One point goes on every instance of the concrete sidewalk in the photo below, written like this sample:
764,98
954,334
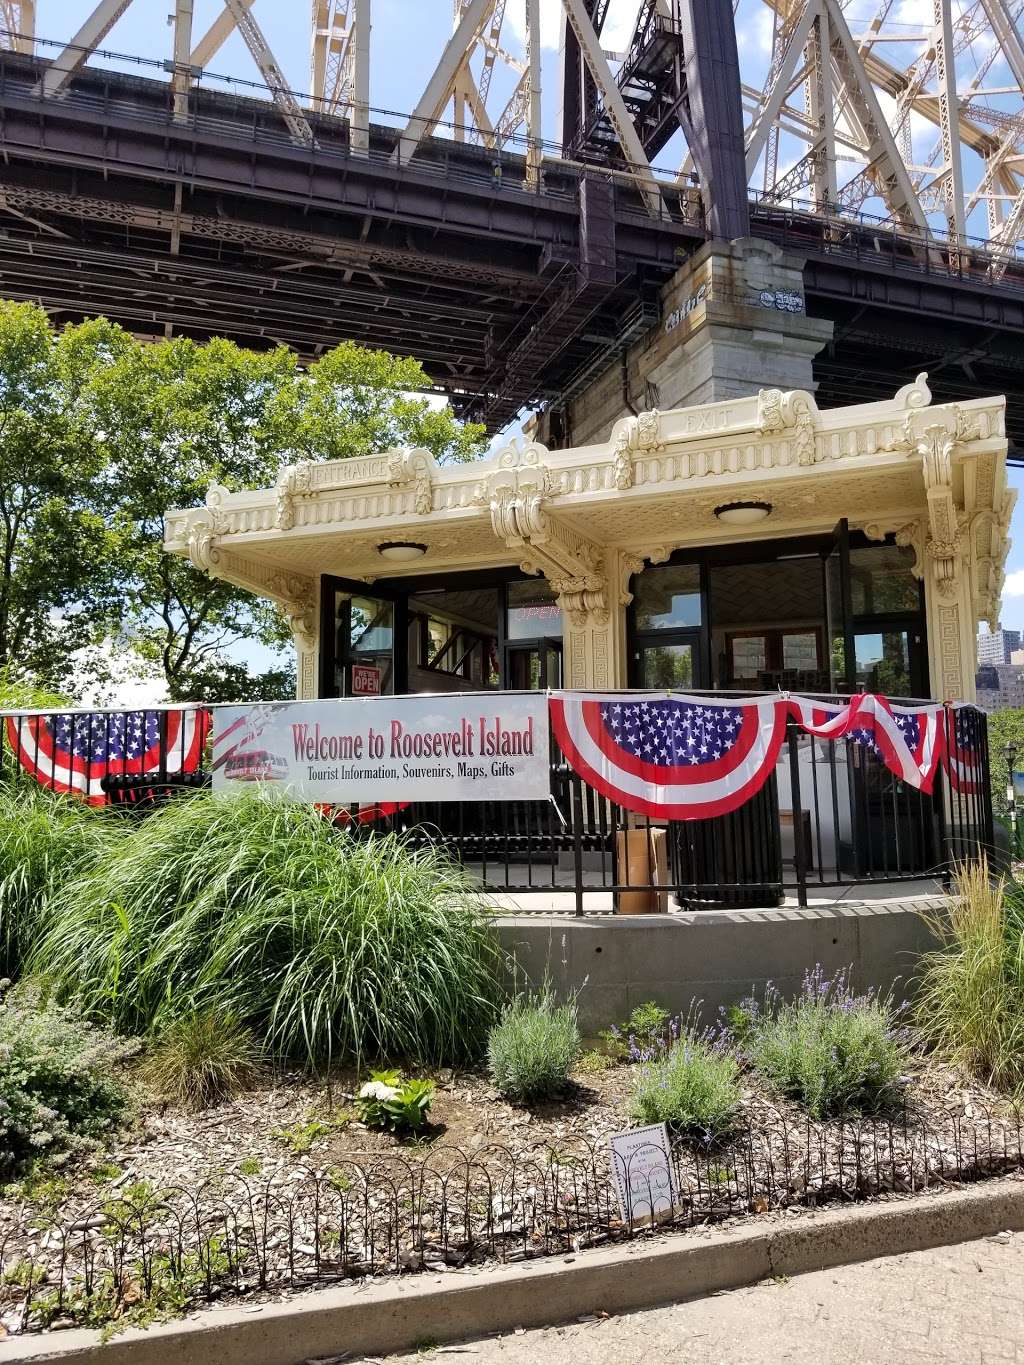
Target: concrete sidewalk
962,1304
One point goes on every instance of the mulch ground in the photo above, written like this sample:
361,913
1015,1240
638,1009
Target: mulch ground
487,1181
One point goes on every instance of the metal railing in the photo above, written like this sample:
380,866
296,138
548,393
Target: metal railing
831,814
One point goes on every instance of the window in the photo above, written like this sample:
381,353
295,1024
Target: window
881,581
749,656
371,624
667,597
800,649
533,610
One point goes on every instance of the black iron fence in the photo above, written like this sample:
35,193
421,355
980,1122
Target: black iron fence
172,1247
831,814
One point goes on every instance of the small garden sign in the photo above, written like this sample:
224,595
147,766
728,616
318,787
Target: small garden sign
642,1169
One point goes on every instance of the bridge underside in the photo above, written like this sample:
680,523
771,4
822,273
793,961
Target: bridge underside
509,297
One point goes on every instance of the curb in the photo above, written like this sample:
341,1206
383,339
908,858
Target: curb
383,1317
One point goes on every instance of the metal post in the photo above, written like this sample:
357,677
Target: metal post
576,806
799,852
1010,753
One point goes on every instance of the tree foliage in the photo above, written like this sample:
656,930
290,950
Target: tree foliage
56,562
101,434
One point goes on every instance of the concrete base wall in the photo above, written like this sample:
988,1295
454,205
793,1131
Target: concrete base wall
716,957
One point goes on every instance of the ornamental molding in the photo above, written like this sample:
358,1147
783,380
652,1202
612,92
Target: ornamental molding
518,495
632,435
413,468
795,411
628,566
914,534
292,482
935,434
296,595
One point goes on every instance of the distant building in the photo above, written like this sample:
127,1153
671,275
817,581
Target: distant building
1000,686
997,646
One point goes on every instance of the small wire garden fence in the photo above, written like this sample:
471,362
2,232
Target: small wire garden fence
172,1248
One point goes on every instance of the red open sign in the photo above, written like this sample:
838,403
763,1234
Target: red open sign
365,680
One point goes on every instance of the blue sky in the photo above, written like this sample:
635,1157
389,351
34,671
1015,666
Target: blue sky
409,35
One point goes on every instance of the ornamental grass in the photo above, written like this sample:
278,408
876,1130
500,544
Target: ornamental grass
330,947
970,1000
45,839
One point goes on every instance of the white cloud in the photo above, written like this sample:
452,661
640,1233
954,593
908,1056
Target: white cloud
1014,585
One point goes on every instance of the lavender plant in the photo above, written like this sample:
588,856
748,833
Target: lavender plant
691,1084
831,1049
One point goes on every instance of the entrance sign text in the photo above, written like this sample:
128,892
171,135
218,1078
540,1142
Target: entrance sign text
470,747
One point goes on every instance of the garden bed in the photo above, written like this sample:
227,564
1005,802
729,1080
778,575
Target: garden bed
282,1189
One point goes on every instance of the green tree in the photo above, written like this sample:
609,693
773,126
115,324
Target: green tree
175,417
100,435
179,416
353,401
1004,727
56,549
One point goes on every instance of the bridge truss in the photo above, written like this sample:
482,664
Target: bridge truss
910,111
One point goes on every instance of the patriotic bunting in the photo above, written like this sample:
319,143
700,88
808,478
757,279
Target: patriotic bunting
676,757
907,739
73,752
964,749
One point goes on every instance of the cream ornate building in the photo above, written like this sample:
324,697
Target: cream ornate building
752,543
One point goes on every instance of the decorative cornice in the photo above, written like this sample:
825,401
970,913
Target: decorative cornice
795,411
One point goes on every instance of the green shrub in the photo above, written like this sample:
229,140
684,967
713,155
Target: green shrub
833,1051
45,839
970,1002
533,1047
59,1085
388,1101
329,946
694,1086
647,1032
202,1059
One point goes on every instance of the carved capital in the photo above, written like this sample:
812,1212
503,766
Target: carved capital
584,600
295,594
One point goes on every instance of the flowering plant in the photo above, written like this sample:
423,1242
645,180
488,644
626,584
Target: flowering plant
387,1101
59,1086
830,1048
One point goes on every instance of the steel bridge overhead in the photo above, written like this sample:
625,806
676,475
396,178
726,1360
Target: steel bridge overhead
891,160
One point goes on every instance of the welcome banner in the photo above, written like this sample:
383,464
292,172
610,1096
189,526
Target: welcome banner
464,747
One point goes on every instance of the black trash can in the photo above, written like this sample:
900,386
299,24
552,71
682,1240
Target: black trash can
733,860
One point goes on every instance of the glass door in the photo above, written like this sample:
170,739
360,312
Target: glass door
889,658
671,662
363,631
839,642
533,666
